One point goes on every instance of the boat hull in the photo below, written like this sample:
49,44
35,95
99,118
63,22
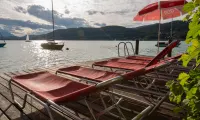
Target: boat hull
165,45
52,46
2,44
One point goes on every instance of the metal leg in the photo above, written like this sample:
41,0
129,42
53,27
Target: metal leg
106,109
144,113
11,92
90,109
117,105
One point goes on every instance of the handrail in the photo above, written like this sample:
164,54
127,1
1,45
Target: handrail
126,50
131,47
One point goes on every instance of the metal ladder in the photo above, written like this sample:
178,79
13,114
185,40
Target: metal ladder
126,50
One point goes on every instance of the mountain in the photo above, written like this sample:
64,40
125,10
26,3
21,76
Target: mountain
149,32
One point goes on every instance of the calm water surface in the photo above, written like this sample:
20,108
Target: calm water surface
18,55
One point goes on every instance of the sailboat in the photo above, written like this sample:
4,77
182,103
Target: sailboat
27,38
2,44
51,44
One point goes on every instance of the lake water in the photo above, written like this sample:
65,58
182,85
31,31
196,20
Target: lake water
18,55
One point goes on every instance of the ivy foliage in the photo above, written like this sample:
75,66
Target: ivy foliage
185,90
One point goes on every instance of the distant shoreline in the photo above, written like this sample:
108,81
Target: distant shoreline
109,33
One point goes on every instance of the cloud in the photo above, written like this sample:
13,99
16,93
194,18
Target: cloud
46,14
20,9
120,12
66,10
32,25
19,27
92,12
100,24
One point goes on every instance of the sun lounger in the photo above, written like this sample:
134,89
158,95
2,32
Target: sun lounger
127,64
52,91
88,73
161,55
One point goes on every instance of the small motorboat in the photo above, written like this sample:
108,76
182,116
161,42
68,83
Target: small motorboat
164,44
51,45
2,44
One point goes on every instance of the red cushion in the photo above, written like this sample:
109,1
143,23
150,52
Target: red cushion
133,61
142,58
120,65
88,73
51,87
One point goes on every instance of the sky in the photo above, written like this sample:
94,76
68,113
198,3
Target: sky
21,17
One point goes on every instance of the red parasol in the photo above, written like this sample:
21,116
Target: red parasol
161,10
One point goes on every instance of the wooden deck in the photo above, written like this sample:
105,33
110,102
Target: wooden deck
35,111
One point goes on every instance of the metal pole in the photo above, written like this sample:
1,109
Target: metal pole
171,34
159,27
52,18
137,46
170,39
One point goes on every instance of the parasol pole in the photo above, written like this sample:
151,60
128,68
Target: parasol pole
171,32
53,19
159,26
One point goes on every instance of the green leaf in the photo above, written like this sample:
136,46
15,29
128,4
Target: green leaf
197,62
174,98
194,73
183,77
192,53
195,42
185,58
187,41
195,21
197,1
193,31
194,90
188,7
187,17
176,89
191,49
191,93
169,83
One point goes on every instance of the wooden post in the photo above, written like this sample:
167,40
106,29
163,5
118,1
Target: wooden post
137,46
169,41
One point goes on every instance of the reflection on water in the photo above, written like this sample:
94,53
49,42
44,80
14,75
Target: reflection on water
18,55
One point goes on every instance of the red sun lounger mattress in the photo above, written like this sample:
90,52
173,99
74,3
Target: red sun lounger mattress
48,86
133,61
119,65
130,66
88,73
140,58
